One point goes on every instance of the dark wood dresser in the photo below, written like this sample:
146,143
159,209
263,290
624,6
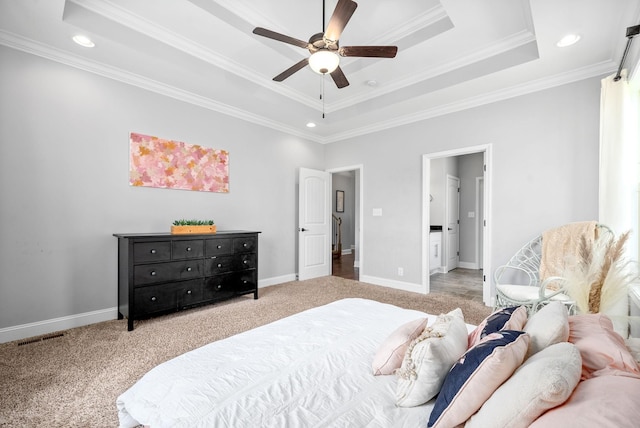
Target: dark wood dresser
160,273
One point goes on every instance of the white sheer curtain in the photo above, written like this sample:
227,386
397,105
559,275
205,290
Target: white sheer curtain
619,159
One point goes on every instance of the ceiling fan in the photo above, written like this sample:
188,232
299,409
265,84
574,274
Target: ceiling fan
325,49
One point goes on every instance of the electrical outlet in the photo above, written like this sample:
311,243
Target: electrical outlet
400,271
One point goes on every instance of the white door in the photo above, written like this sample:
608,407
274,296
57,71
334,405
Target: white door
314,220
453,223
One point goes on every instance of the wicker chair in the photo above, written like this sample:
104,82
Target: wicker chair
518,282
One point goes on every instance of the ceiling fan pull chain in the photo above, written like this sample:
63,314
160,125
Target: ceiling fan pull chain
322,94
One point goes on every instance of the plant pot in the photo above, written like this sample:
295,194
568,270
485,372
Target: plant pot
183,230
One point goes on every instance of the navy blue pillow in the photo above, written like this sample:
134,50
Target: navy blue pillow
497,320
468,364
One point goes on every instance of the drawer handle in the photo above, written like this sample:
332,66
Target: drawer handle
244,245
245,261
219,286
153,251
188,269
153,273
188,248
188,291
219,246
244,282
219,264
153,299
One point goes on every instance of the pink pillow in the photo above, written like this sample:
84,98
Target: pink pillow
604,401
476,376
391,352
603,350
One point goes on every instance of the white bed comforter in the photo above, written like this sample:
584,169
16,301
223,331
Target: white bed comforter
312,369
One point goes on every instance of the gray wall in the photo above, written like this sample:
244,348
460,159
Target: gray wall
545,173
64,147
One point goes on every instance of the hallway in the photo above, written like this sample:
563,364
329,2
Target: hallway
465,283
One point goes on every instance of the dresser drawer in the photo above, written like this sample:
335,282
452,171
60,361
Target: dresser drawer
219,286
244,244
247,281
155,298
216,247
189,293
145,252
247,261
170,271
191,249
220,264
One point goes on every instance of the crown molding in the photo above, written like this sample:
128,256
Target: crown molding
35,48
507,44
595,70
122,16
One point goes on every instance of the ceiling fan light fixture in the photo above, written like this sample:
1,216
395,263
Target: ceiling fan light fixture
324,61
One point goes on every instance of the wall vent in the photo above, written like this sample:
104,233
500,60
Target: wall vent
40,339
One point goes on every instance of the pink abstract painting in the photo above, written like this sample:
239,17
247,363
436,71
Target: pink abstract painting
155,162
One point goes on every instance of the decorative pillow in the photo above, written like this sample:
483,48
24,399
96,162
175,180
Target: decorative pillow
548,326
429,358
503,319
544,381
604,401
391,352
480,371
603,350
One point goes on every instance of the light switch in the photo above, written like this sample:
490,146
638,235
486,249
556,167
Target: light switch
377,212
471,214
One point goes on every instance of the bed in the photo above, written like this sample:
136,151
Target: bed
314,369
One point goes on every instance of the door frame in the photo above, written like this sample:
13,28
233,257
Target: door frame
487,287
445,232
359,209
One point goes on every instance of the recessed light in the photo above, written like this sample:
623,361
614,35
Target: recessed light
83,41
311,125
372,83
568,40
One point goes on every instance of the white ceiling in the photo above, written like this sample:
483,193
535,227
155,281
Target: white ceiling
453,54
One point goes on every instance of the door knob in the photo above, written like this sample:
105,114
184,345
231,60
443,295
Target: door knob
302,229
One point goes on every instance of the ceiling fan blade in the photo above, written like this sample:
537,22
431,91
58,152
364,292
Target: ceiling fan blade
369,51
341,15
289,71
280,37
339,78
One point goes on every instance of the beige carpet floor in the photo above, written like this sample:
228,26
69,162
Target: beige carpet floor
74,380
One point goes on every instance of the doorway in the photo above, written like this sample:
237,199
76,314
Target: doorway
472,226
347,218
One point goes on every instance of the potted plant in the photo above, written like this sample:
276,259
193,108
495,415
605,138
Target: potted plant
193,226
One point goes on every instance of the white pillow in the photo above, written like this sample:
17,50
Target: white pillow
542,382
548,326
391,352
429,358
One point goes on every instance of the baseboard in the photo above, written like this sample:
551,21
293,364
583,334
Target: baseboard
276,280
39,328
468,265
398,285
